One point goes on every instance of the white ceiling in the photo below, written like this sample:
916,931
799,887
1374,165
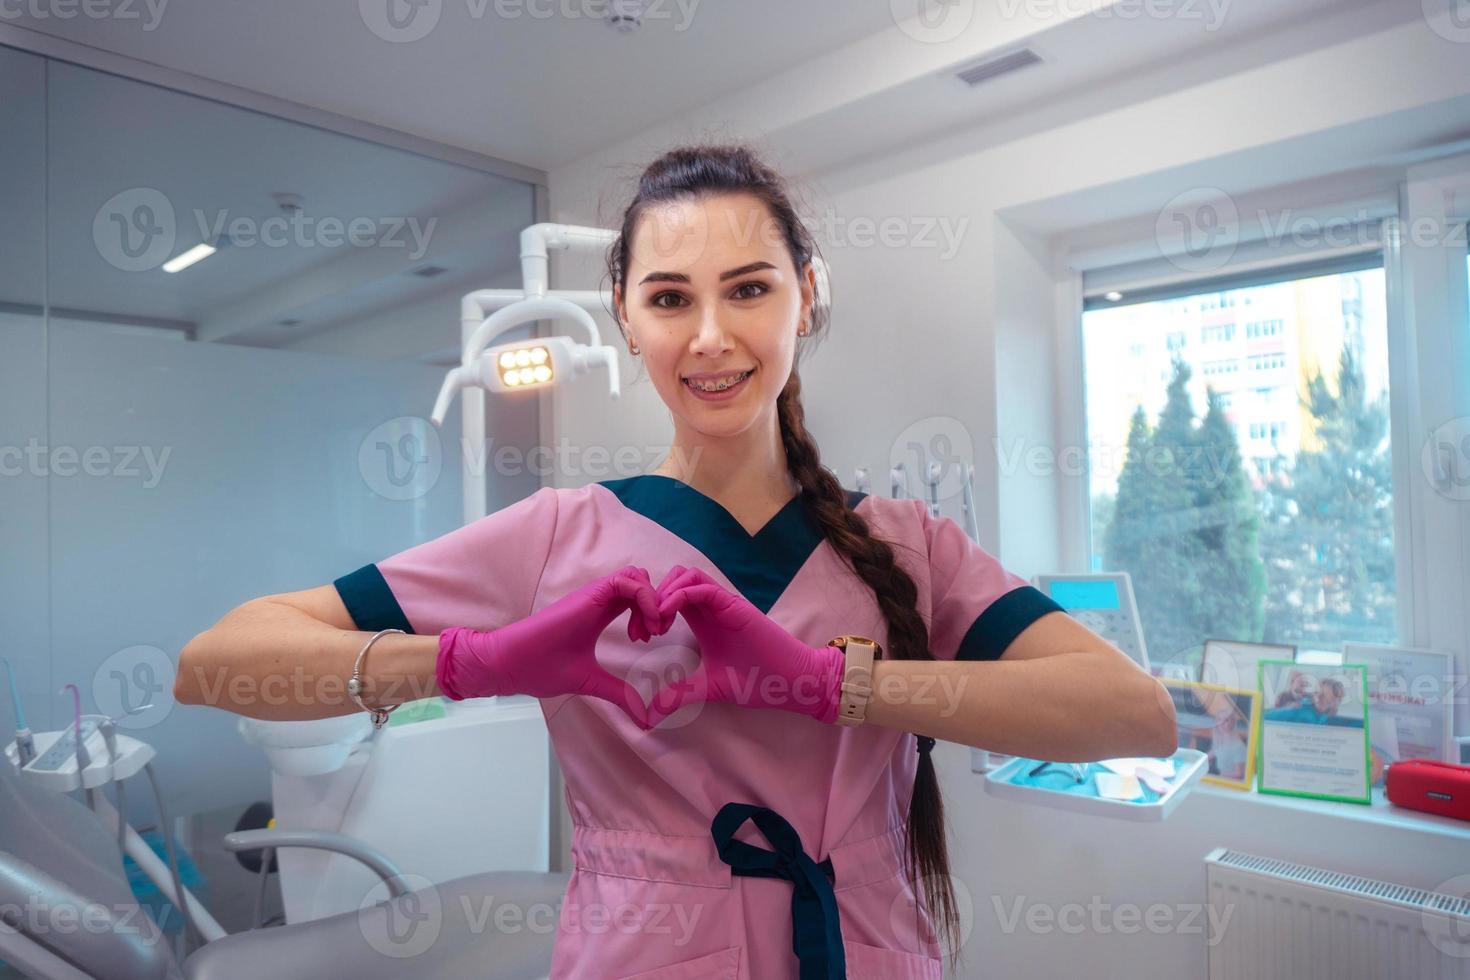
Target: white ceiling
526,87
832,82
843,78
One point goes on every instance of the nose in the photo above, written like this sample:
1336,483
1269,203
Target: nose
711,339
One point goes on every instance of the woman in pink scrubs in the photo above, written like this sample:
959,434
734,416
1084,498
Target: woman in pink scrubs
734,839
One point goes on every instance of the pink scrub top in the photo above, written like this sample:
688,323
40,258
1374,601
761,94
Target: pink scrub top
729,842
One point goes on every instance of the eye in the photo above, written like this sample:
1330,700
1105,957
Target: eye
746,285
655,301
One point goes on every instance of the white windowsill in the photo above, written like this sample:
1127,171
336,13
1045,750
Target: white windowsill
1381,813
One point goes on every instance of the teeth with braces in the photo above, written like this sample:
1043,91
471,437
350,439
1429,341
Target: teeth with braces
720,386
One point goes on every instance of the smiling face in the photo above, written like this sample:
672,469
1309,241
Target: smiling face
1329,696
713,294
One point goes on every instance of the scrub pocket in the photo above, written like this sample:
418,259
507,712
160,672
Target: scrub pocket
866,962
723,965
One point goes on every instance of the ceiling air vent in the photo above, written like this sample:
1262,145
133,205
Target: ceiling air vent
986,70
428,271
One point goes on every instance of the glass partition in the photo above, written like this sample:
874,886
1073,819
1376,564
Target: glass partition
186,428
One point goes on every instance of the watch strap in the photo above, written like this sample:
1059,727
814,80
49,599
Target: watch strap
859,652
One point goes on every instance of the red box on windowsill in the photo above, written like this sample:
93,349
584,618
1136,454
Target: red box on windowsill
1429,785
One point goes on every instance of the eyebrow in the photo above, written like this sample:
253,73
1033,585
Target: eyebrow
680,277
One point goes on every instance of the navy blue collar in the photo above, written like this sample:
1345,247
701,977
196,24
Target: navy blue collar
760,565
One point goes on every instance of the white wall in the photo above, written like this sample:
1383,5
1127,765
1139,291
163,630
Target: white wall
1237,124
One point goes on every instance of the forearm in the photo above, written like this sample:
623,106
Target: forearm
1071,707
269,660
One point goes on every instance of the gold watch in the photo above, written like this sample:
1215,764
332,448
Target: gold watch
858,652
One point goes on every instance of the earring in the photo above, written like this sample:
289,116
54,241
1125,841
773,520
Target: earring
633,351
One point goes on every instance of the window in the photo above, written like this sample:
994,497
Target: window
1214,368
1219,333
1175,340
1277,526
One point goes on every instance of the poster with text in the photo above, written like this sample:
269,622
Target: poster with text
1314,731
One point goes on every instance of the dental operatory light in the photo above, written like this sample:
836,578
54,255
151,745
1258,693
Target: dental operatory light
522,364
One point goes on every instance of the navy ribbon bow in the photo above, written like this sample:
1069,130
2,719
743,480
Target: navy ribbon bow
816,932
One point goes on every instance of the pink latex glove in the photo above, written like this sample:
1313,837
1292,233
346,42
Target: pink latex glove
551,651
746,657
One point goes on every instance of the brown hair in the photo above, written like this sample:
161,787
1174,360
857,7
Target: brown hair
698,171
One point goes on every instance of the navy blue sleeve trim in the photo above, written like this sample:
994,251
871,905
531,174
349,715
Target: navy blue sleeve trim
1004,620
371,603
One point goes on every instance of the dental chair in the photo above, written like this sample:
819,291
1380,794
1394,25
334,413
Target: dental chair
67,912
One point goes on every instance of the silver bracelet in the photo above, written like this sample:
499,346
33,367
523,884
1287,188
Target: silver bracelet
354,683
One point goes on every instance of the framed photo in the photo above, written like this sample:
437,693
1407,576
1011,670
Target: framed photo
1221,722
1232,663
1314,731
1411,698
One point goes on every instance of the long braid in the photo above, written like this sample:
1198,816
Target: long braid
872,559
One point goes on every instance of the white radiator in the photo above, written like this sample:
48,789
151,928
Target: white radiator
1284,921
